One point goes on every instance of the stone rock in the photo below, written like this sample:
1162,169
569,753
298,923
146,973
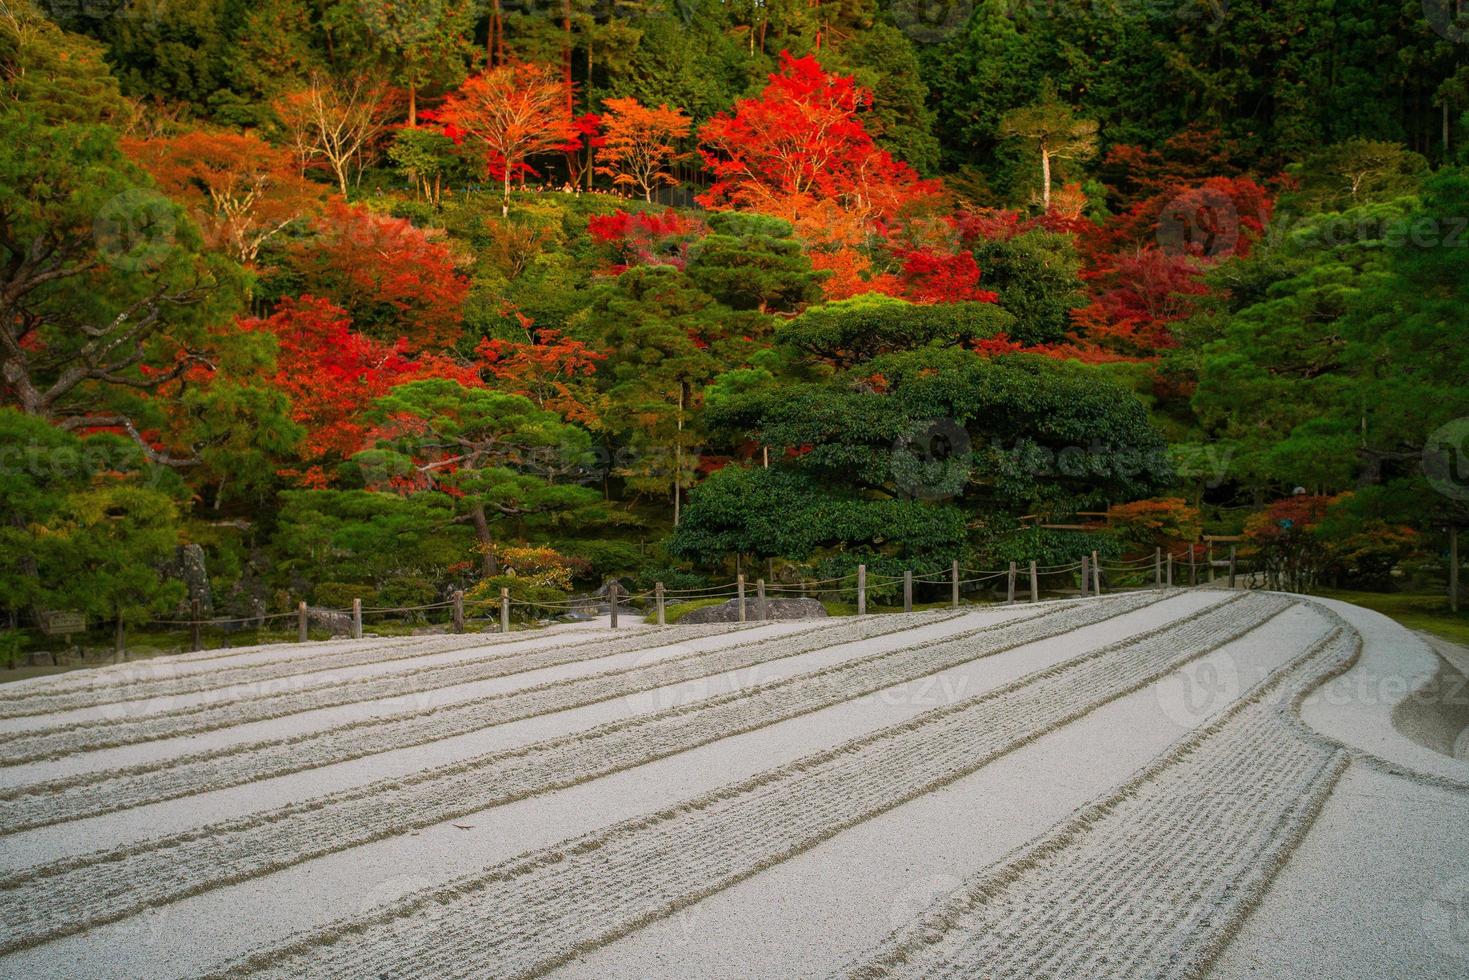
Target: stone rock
334,621
729,612
188,568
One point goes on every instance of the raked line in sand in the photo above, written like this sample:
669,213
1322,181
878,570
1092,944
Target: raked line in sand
167,680
304,693
107,790
1152,880
67,895
526,915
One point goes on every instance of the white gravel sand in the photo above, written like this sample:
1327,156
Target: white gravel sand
1160,784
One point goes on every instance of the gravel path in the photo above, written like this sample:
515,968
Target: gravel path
575,801
1154,879
533,913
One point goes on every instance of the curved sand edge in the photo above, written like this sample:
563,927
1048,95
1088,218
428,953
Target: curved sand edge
1376,707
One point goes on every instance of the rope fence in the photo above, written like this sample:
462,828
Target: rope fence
1090,575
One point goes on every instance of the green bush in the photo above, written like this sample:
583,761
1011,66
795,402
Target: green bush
339,595
407,590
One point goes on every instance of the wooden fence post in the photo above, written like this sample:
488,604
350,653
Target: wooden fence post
908,590
1035,583
861,590
505,611
1232,558
458,610
1158,568
1010,587
1210,555
301,621
658,594
1085,573
356,619
954,582
1096,574
613,590
1193,567
740,594
197,626
761,609
1170,569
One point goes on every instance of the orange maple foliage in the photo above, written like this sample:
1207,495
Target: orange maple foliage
638,143
239,189
515,110
550,370
394,280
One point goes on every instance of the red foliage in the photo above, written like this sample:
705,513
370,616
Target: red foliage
333,373
392,279
1190,156
646,237
989,224
934,277
802,141
550,370
1212,220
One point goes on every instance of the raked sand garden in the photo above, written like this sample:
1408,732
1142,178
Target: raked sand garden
1176,783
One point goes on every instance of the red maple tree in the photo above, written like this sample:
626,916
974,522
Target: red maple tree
515,111
239,189
802,141
394,280
332,373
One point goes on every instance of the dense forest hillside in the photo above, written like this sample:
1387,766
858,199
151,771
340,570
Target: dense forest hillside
386,299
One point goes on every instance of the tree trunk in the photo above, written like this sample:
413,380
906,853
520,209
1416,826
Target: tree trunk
566,53
678,459
489,564
412,104
505,201
1045,179
495,41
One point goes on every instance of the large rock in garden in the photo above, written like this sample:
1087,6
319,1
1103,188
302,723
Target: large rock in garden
188,567
729,612
334,622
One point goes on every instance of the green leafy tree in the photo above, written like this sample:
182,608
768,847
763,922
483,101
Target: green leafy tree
496,454
849,331
1358,171
104,285
424,42
1038,276
751,262
658,331
1053,131
111,543
366,536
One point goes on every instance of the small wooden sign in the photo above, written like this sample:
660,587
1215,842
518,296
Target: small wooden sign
59,622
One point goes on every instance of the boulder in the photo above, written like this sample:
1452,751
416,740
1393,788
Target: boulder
188,567
729,612
333,621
